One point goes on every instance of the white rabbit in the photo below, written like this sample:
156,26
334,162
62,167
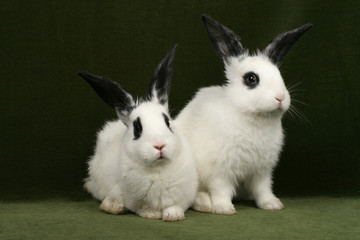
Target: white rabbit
235,130
141,162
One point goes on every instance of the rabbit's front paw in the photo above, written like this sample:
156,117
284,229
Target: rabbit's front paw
202,202
173,213
271,204
149,213
110,205
226,209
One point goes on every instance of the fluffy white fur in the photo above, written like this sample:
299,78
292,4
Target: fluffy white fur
236,135
142,162
128,173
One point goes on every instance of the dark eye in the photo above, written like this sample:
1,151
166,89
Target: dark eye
167,121
137,128
251,79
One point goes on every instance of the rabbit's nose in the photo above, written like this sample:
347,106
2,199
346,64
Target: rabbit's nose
280,98
160,147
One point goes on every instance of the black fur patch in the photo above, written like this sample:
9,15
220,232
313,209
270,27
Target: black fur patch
111,92
225,42
280,45
167,121
137,128
251,80
161,80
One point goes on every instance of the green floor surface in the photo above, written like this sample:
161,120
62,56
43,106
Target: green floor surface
303,218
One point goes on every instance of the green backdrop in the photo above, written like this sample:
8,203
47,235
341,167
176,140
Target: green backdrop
50,116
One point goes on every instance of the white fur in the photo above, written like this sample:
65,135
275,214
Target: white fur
127,173
236,135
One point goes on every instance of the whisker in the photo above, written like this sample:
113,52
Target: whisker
293,86
301,116
294,90
291,113
298,101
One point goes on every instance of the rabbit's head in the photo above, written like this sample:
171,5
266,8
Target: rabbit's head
150,138
254,82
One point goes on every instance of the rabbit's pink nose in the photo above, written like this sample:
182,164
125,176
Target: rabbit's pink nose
279,98
159,147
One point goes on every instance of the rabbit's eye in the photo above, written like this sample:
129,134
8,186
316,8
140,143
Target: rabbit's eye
251,79
137,128
167,121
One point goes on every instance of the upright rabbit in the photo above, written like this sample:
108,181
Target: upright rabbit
235,130
141,161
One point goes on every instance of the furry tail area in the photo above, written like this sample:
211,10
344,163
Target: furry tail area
89,186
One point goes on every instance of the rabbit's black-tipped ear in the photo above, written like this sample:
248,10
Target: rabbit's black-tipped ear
226,43
280,45
161,80
111,92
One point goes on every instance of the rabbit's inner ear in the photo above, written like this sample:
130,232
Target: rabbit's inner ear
223,48
137,128
225,42
124,117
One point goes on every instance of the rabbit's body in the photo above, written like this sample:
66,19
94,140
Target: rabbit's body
113,174
231,150
235,130
142,162
236,144
104,165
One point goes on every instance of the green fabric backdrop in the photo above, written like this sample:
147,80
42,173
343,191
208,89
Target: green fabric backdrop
49,116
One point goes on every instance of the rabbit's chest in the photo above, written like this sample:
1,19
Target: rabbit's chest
252,150
144,188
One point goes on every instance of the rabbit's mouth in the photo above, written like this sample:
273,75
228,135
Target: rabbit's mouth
279,108
160,161
162,157
270,113
155,162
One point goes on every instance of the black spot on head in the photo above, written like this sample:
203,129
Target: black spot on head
251,80
167,121
137,128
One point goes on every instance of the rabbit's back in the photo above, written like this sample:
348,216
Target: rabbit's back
103,165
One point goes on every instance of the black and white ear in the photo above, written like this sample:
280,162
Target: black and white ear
112,93
161,80
225,42
280,45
